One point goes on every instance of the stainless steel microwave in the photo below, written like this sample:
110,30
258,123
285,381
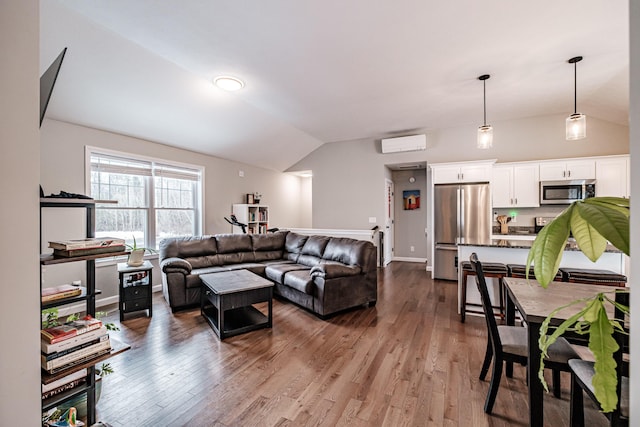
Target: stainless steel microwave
566,192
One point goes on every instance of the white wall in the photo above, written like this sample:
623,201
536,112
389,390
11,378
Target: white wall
19,168
634,119
62,167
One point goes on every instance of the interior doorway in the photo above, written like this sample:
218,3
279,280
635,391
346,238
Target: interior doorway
406,212
388,221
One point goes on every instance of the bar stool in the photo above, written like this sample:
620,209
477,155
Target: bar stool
593,277
519,271
491,269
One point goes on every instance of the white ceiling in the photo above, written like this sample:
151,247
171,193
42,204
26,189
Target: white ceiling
327,71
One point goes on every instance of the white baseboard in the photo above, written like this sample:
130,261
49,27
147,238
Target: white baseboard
408,259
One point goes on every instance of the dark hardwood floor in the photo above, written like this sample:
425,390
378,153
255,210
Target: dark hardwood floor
406,362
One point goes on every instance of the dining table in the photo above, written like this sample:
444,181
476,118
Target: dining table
535,304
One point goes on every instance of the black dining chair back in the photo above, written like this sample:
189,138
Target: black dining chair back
508,344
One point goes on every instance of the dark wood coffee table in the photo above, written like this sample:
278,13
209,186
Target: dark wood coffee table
227,302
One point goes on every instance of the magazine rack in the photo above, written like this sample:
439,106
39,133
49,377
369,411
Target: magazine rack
88,296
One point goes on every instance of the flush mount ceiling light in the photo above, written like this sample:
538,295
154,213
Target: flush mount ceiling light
228,83
576,123
485,132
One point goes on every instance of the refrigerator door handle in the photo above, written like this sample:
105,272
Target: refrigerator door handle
458,190
461,214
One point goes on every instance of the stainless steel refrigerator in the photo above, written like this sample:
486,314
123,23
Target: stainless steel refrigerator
461,213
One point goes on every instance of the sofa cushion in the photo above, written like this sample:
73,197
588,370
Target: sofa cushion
293,244
199,251
269,241
234,248
342,250
312,250
300,280
276,272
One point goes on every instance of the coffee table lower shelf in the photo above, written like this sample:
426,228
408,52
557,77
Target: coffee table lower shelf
236,321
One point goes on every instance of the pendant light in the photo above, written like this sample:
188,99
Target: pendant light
576,123
485,132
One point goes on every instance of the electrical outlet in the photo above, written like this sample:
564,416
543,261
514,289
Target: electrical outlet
514,219
413,249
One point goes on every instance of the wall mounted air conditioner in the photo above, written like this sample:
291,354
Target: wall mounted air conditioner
404,143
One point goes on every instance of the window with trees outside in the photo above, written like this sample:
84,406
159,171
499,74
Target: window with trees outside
156,198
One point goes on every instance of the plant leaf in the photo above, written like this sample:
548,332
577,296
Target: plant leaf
618,203
546,340
590,242
603,345
610,223
546,250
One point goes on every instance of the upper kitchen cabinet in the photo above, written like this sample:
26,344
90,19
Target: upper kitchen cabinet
515,185
612,176
448,173
567,170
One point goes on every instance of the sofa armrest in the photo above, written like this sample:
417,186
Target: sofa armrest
176,265
331,271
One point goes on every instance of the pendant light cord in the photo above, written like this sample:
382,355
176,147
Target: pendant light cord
484,99
575,87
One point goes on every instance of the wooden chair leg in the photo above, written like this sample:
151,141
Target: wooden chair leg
487,360
576,408
463,297
501,296
555,377
495,384
509,369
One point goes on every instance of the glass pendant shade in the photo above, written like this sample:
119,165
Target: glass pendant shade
576,126
485,136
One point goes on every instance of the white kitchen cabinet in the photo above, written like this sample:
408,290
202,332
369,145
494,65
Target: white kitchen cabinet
515,185
565,170
447,173
612,176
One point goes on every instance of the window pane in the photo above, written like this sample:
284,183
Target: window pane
174,193
128,190
172,223
122,223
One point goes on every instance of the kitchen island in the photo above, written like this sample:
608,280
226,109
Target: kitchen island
511,251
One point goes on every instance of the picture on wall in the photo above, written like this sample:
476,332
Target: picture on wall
411,199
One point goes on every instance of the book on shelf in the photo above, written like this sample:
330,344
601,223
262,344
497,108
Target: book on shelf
82,354
76,375
79,361
63,388
88,243
59,354
59,292
70,329
69,253
48,348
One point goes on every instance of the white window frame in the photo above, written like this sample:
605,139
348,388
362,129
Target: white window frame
151,209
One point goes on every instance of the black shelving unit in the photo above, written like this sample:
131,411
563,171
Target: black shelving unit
88,296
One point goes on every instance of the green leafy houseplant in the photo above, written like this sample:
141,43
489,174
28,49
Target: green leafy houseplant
593,222
136,258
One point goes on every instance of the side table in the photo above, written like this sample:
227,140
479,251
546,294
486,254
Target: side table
135,288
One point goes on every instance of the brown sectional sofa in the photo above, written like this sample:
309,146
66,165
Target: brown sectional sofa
322,274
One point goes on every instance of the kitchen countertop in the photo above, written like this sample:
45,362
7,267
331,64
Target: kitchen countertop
524,244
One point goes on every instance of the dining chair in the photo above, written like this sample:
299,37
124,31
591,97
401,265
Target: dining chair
508,344
582,373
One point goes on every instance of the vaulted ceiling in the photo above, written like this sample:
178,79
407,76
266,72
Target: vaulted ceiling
327,71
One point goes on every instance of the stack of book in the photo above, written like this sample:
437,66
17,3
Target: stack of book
73,343
60,292
89,246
